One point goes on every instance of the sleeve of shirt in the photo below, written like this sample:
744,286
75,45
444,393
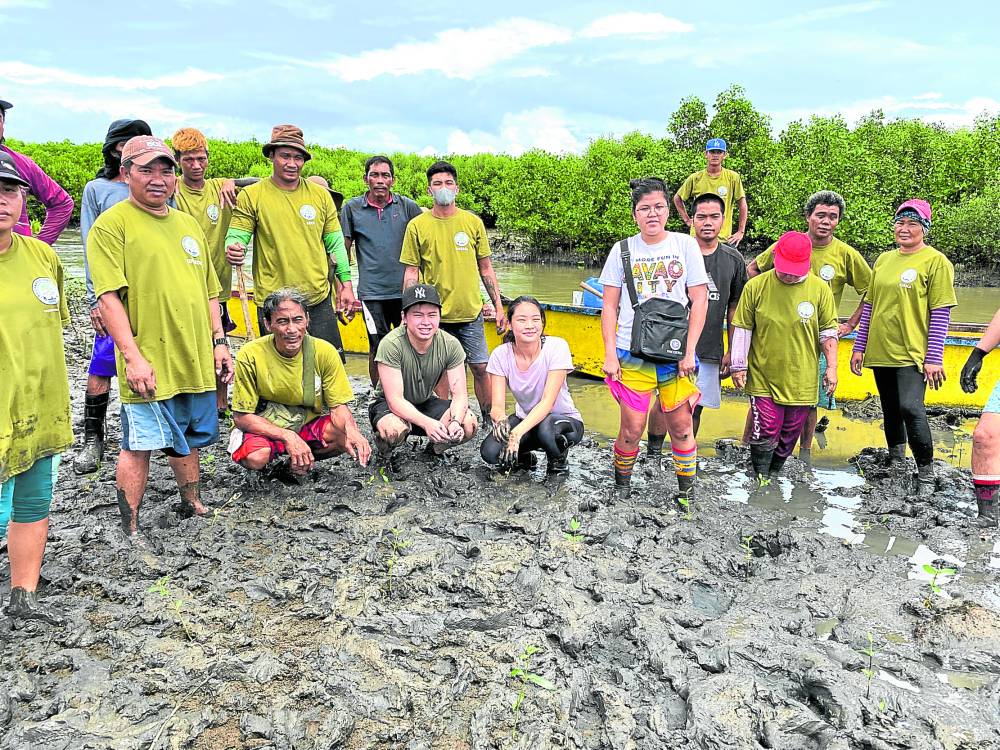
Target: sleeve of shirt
560,357
740,279
498,361
61,282
858,271
245,394
941,284
482,241
390,354
410,254
244,215
613,273
686,191
336,387
738,191
696,275
57,202
88,214
346,222
413,209
745,311
332,221
334,243
456,354
106,253
827,309
765,261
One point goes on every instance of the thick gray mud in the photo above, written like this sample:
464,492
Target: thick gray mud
364,610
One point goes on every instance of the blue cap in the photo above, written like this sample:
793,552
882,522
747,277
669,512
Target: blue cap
716,144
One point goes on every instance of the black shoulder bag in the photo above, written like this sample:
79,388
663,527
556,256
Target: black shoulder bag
660,326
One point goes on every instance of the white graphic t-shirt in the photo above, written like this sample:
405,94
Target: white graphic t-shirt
665,269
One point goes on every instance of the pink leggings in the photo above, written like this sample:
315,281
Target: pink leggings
776,424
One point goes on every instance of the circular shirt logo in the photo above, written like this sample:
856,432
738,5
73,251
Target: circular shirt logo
46,290
675,344
908,276
723,190
191,246
806,310
307,212
827,272
675,269
213,212
461,239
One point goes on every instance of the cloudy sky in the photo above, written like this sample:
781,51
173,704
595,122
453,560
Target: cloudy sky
447,77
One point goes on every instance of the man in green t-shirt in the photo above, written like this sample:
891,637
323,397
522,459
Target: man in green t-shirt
839,265
448,246
291,393
411,360
297,237
158,295
719,181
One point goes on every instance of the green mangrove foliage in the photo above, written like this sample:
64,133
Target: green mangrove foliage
578,204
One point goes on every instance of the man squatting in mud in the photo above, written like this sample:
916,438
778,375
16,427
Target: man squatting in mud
283,383
412,359
158,294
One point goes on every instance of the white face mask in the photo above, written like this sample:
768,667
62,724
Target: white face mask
444,196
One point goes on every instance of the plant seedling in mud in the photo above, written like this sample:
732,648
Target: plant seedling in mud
207,461
572,535
397,543
525,677
162,589
747,549
869,671
685,503
934,573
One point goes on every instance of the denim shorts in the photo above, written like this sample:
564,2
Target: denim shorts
472,337
176,425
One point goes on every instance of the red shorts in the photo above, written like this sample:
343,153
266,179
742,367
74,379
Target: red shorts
311,432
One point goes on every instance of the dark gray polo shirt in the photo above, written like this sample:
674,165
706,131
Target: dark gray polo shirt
377,237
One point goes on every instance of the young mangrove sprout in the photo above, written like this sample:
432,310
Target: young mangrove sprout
572,535
524,677
869,671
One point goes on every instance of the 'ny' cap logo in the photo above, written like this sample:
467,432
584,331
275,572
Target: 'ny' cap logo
420,293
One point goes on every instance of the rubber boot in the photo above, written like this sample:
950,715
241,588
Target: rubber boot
654,451
559,464
989,508
897,457
24,605
88,460
685,491
760,458
526,461
926,482
777,463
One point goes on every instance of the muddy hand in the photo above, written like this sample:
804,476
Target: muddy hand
501,431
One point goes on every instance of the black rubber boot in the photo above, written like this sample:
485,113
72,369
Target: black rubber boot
24,605
897,457
686,492
777,464
760,458
526,461
926,481
654,450
559,464
989,508
88,460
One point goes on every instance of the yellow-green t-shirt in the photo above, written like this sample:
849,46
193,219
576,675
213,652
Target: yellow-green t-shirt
838,264
904,290
263,374
160,267
288,227
34,387
447,251
786,320
727,185
207,209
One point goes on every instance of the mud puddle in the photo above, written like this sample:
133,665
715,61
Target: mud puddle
441,606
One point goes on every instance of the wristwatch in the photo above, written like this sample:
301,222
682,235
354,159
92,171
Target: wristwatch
220,342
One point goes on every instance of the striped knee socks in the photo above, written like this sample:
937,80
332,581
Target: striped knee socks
685,462
624,463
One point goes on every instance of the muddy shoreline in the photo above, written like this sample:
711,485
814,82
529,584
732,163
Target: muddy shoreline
371,611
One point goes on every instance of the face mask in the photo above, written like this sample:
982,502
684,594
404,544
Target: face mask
444,196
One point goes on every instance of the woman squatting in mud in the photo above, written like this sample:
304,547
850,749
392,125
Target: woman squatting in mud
784,318
534,366
668,266
34,392
902,333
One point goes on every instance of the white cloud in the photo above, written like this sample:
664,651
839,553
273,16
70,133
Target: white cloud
546,128
34,75
457,53
635,24
830,13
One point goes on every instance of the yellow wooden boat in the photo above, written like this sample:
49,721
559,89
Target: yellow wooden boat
581,327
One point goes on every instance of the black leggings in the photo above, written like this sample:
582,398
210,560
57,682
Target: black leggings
901,390
540,437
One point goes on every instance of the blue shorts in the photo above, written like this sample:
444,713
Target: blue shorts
823,399
993,402
27,496
102,361
472,337
175,426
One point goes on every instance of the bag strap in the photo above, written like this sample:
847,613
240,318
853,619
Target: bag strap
627,268
308,373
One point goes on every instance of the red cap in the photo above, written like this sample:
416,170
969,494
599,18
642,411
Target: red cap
923,208
142,149
792,254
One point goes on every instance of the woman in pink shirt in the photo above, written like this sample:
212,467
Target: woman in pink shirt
534,367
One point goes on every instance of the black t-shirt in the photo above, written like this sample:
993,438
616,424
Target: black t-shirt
727,275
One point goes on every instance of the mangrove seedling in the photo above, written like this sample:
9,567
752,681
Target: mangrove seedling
685,503
207,461
163,590
934,573
525,677
747,549
397,543
869,671
572,535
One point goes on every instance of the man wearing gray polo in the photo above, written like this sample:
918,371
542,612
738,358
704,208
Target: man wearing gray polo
374,225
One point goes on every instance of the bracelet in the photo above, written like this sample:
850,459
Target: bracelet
220,342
